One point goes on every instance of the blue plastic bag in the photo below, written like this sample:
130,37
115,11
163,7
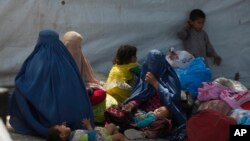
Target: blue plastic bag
191,78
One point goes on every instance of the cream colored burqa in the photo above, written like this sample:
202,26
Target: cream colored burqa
73,40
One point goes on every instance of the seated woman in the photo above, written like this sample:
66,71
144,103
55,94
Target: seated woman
98,98
72,41
48,89
157,86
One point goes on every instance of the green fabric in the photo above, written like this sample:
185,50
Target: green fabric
99,109
103,132
83,137
136,70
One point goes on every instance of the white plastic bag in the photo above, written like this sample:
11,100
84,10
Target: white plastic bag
179,59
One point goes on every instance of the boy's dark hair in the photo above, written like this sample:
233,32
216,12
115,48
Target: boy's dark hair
196,14
53,135
124,54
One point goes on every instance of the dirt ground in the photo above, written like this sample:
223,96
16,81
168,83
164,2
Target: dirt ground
19,137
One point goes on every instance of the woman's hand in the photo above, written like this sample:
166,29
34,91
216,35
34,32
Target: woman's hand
150,78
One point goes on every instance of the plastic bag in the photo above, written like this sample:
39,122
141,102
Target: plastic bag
179,59
232,84
191,78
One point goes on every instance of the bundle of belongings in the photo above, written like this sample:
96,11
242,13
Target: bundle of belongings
190,70
218,104
223,102
232,92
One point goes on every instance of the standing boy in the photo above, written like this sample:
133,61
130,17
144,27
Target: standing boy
195,39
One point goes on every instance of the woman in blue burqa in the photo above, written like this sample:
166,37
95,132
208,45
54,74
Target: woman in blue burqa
157,86
48,89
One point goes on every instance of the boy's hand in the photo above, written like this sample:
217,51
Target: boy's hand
217,60
86,123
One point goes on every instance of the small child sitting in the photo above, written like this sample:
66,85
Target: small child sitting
64,133
122,76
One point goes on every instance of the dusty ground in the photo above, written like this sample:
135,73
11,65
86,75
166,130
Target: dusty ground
19,137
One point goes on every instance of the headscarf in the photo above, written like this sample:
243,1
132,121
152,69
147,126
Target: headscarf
168,88
49,89
73,40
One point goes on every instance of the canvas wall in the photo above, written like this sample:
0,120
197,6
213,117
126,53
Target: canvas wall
107,24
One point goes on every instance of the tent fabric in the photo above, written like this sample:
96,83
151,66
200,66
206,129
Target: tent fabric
49,89
106,24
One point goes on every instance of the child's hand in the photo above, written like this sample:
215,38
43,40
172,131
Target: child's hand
138,114
86,123
217,60
132,124
64,123
128,107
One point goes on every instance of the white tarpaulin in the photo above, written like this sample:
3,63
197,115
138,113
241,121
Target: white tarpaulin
106,24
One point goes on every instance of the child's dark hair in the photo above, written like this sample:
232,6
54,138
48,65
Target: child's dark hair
196,14
124,54
53,135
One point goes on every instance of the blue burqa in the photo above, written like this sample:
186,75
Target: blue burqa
168,88
49,90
